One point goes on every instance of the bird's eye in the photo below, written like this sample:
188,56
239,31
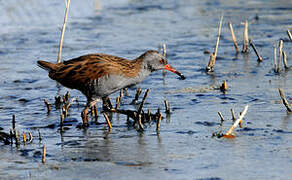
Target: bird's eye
163,61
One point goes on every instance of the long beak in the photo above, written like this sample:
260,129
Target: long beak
171,69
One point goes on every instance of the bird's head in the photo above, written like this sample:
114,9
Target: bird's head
154,61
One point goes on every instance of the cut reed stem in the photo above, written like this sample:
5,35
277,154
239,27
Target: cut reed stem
167,106
108,121
284,100
260,59
158,122
245,38
233,115
224,87
63,31
289,34
44,154
117,102
13,121
141,127
280,56
30,137
221,117
24,137
143,101
48,105
233,37
213,56
285,60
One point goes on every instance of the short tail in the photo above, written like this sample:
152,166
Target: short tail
47,65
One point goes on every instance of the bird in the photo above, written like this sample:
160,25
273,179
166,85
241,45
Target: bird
99,75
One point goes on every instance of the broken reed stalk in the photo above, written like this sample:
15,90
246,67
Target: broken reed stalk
233,115
158,122
233,37
30,137
63,31
275,58
126,91
13,121
121,93
285,60
138,92
221,117
16,136
149,115
48,106
284,100
235,124
260,59
289,34
108,121
24,137
224,87
141,127
280,55
213,56
44,154
245,38
40,136
143,101
117,102
167,106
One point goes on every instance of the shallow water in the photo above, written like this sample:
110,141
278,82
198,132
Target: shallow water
184,149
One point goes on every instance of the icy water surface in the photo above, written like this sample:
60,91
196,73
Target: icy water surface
184,148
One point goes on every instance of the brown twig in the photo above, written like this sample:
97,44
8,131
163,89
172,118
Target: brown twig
224,87
108,121
213,56
275,58
143,101
44,154
48,106
233,115
280,55
221,117
289,34
149,115
16,136
117,102
233,37
284,100
30,137
167,106
245,38
138,92
141,127
13,121
40,136
63,31
121,93
260,59
24,137
158,122
285,60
